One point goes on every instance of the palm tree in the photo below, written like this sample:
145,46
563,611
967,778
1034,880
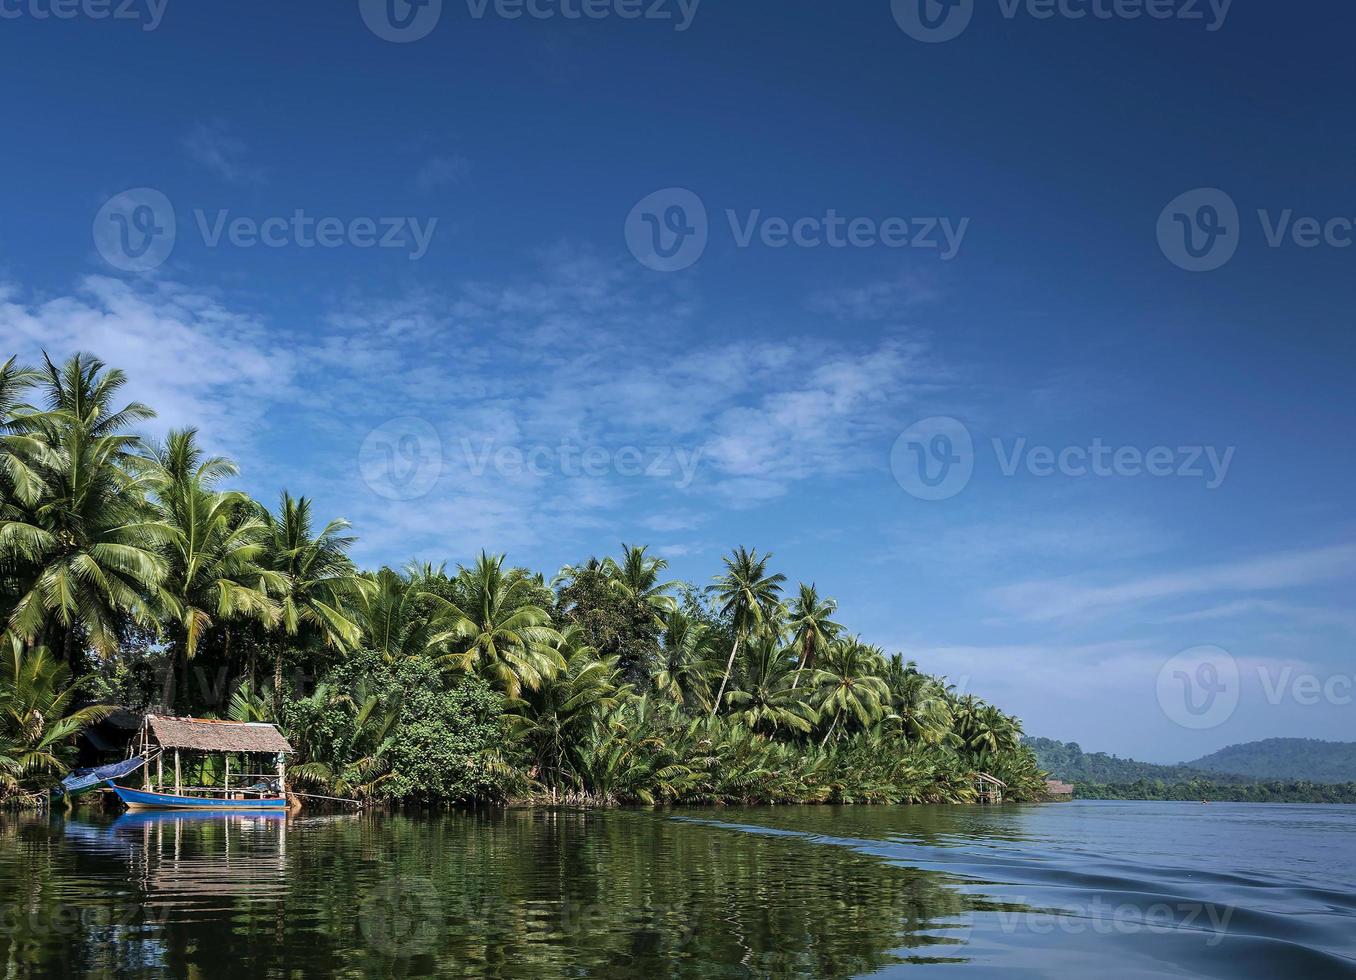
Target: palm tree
685,653
76,531
812,627
213,556
850,685
498,627
396,616
749,598
38,721
982,728
555,720
766,700
637,575
919,702
320,586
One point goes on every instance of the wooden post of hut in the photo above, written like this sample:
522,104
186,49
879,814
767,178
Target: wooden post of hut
989,789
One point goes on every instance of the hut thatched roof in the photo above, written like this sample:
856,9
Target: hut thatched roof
200,735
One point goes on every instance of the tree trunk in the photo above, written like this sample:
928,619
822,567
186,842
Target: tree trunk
277,682
726,679
831,728
805,654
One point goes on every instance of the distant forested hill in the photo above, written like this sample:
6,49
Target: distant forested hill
1068,761
1282,758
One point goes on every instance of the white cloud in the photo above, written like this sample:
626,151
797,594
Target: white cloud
217,148
441,171
1065,598
187,355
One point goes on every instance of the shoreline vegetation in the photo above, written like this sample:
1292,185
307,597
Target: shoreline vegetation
1277,791
132,576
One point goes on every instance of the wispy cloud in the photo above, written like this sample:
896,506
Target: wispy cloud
186,353
1057,599
216,147
441,171
879,299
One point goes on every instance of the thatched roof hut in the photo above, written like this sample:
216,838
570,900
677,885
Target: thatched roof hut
202,735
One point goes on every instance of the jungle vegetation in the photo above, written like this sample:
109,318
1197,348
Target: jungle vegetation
132,573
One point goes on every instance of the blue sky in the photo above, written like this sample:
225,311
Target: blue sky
511,374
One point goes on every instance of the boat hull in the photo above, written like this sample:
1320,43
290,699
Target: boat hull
137,799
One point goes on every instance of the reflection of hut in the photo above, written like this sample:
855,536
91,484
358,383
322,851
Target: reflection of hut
989,789
1055,789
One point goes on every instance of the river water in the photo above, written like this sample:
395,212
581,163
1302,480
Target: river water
1066,890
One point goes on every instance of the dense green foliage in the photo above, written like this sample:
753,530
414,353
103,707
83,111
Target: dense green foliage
130,566
1292,791
1309,759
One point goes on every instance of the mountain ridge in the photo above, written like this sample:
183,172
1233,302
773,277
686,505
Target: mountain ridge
1312,760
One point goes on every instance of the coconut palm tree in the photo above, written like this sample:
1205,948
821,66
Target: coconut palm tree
496,627
395,615
766,700
555,720
76,532
637,575
686,648
811,626
321,589
749,598
850,686
919,702
213,556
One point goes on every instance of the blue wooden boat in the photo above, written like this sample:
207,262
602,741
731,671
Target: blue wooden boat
138,799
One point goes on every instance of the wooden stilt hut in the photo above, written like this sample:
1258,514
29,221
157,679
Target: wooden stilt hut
201,752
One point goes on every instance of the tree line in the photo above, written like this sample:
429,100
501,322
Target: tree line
132,574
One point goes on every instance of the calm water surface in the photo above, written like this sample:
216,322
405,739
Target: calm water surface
1080,889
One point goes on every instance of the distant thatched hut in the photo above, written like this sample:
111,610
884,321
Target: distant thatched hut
1057,790
989,789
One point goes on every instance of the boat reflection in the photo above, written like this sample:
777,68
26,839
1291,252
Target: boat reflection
205,859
